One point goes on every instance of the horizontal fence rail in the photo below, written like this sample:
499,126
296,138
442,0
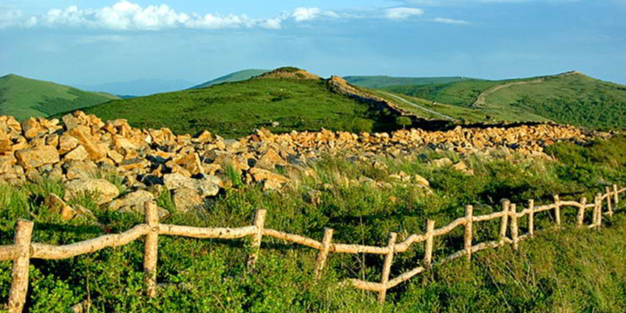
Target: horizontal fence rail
23,250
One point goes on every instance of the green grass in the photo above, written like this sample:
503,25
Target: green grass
232,77
236,109
568,271
23,98
388,81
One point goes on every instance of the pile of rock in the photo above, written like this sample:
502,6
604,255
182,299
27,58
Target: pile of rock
78,149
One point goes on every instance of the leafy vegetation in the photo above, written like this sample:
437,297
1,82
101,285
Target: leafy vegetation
570,271
236,109
23,98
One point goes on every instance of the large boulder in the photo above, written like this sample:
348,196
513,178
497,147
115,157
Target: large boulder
104,190
36,157
206,187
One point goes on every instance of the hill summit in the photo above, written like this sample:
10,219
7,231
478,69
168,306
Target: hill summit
290,73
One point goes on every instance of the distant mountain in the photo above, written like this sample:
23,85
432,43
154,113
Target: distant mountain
24,97
232,77
139,87
387,81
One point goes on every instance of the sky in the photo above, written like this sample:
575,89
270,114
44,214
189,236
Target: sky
93,42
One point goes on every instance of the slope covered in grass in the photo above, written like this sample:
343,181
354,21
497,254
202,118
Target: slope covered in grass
23,97
571,98
236,109
388,81
232,77
568,271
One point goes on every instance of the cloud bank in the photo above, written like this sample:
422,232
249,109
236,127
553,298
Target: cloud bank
125,15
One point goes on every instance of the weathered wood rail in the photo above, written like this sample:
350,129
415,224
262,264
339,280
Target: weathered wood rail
23,250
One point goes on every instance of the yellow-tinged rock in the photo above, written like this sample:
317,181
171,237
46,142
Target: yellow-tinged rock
36,157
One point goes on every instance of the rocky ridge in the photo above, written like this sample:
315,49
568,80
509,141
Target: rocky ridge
79,148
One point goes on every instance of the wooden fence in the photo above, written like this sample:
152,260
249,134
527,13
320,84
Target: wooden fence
23,250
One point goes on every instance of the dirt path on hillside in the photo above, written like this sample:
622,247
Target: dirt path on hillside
482,98
420,107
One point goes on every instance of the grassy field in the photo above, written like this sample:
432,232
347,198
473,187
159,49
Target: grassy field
23,97
573,99
232,78
568,271
236,109
379,82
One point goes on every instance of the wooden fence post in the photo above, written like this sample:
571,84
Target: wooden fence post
323,254
19,277
557,211
531,217
597,211
505,219
387,267
609,206
514,229
151,249
428,248
580,219
616,194
259,223
467,237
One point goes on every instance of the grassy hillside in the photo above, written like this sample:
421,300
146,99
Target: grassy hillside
232,77
571,98
236,109
574,270
388,81
23,97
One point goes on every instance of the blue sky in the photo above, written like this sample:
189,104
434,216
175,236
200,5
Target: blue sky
81,42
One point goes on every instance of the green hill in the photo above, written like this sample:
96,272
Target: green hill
23,97
571,98
281,100
232,77
388,81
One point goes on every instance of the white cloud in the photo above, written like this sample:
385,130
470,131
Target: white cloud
450,21
273,23
125,15
402,13
305,14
